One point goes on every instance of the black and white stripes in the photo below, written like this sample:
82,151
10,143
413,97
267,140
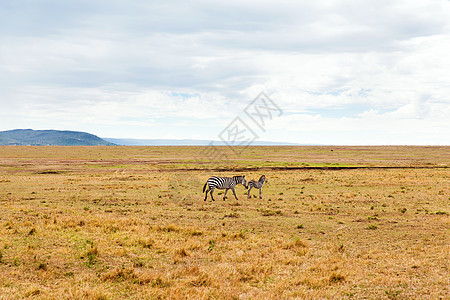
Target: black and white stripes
256,184
223,183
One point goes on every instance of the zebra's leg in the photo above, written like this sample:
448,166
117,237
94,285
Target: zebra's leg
226,190
249,189
234,193
260,193
206,194
212,190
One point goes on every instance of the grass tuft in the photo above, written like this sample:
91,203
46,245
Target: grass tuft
119,274
336,278
194,232
42,266
146,243
181,252
268,212
201,280
232,215
371,227
298,243
169,228
91,256
33,292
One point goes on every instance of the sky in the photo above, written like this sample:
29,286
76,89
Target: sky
373,72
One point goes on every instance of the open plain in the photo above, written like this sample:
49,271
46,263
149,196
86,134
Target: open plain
333,222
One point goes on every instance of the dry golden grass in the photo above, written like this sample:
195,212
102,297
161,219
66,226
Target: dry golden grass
116,222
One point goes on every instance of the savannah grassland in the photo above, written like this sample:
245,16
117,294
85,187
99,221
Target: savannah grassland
116,222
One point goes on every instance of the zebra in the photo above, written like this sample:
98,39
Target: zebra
223,183
256,184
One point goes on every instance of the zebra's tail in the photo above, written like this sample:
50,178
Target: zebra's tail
204,187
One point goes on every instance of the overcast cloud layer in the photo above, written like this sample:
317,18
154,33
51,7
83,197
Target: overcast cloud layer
343,72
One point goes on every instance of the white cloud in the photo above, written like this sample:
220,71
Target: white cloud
188,69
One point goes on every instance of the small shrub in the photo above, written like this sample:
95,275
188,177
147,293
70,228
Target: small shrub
371,227
268,212
159,282
336,278
212,244
42,266
111,228
145,243
232,215
201,280
298,243
240,235
181,252
194,232
33,292
119,274
392,294
169,228
138,263
91,255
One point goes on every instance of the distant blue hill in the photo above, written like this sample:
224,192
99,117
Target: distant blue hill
183,142
29,137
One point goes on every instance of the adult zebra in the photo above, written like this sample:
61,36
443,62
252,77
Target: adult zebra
223,183
256,184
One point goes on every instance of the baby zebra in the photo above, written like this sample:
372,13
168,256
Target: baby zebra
256,184
223,183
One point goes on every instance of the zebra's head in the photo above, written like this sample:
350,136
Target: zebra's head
241,180
263,178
